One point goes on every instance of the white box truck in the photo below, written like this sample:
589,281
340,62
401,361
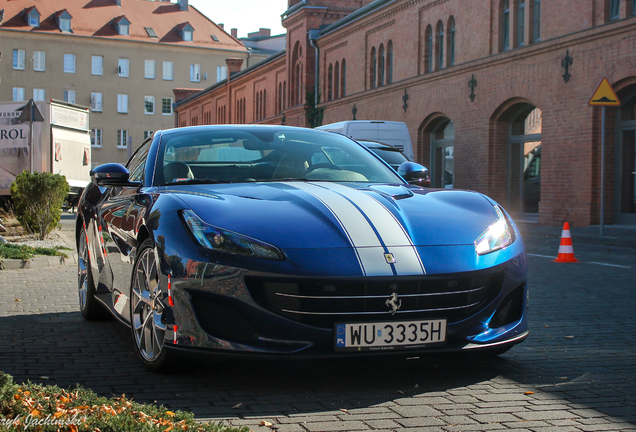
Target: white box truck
60,143
388,132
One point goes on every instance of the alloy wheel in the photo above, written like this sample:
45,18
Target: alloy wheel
147,309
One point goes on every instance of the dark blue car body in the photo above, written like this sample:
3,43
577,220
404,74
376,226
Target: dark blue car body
228,257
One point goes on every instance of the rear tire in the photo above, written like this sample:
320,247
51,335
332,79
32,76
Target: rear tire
147,322
90,307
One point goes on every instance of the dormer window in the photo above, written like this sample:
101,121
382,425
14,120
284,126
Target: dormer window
186,31
122,25
32,17
64,21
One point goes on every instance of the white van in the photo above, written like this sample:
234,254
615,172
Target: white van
388,132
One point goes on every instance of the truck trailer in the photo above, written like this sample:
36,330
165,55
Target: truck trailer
53,137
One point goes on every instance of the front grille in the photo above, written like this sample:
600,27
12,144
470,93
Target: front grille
324,302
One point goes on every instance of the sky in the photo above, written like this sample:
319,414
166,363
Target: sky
245,15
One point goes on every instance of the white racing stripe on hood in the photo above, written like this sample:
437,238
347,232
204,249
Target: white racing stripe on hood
350,207
392,233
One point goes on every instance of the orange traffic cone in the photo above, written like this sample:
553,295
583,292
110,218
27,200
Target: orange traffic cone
566,251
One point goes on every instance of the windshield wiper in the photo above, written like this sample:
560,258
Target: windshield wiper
196,181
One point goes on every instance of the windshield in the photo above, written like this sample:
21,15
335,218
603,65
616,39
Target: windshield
221,154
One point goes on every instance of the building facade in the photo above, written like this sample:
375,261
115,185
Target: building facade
495,93
121,58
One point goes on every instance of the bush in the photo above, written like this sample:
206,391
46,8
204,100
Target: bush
50,408
38,199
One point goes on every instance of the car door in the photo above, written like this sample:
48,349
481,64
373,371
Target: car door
118,219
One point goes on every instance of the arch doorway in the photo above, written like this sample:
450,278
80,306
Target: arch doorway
524,161
625,162
442,154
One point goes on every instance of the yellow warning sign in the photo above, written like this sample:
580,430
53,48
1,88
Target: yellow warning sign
604,95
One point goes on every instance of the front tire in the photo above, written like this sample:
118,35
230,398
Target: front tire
90,307
146,312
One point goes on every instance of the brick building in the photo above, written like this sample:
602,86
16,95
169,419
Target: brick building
495,94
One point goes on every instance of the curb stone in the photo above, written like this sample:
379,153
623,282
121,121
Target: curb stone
42,261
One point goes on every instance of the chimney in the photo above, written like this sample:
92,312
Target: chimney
264,32
222,26
233,65
234,33
183,5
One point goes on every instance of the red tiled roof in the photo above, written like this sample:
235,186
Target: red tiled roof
94,18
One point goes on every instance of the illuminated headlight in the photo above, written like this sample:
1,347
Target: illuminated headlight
222,240
498,235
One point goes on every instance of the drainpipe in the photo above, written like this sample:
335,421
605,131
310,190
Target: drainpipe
249,54
313,35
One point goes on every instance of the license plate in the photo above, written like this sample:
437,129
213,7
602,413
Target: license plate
389,335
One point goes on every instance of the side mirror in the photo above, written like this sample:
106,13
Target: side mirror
112,174
415,173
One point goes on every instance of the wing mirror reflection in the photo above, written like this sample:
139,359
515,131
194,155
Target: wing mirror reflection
415,173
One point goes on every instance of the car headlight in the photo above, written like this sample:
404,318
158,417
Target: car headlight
498,235
230,242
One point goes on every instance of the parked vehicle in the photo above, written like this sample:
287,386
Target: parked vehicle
57,140
389,132
394,157
269,241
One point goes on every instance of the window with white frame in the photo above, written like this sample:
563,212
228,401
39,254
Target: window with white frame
122,138
166,106
18,94
123,69
39,61
221,73
96,101
65,25
97,65
19,57
187,35
96,137
39,94
122,103
195,73
168,71
34,20
149,104
149,69
69,96
122,29
69,63
147,134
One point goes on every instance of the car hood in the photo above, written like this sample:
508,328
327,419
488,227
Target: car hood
302,215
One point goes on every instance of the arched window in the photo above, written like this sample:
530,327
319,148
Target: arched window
258,105
373,73
389,62
429,49
264,99
330,83
298,88
451,41
280,97
505,25
440,45
381,65
521,23
336,81
536,21
614,9
343,78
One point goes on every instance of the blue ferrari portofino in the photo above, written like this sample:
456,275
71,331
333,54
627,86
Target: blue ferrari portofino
268,241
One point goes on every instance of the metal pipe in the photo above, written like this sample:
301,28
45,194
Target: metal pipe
313,44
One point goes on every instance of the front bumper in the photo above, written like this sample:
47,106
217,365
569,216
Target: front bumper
230,311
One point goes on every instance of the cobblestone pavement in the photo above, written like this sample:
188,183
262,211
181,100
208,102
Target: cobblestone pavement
576,372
